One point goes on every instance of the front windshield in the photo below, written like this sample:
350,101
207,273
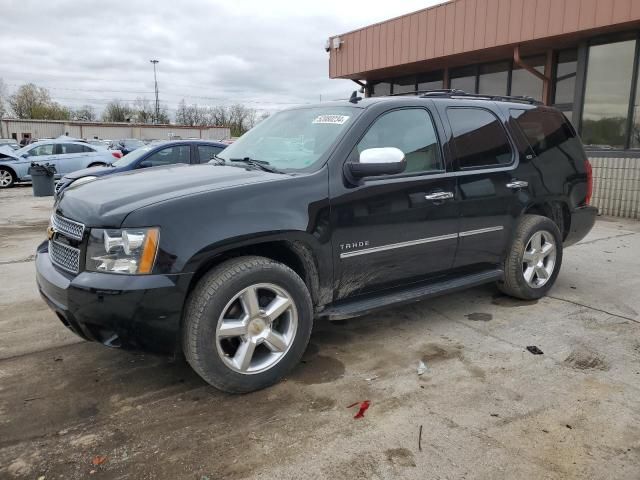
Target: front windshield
293,139
131,157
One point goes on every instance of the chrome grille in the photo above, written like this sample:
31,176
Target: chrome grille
58,186
67,227
64,256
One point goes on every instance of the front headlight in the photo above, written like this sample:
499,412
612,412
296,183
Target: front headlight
130,251
81,180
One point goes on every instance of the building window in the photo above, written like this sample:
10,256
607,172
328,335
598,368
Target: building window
404,85
524,83
479,140
607,94
635,126
464,79
381,89
565,81
494,78
430,81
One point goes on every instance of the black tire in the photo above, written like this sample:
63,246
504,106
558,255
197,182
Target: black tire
205,306
7,173
514,283
97,164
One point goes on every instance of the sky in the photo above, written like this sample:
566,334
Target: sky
265,54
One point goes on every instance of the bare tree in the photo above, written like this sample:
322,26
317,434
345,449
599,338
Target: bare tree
3,98
86,113
191,115
116,111
144,110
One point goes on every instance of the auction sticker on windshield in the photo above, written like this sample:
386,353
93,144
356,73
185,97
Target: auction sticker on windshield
334,119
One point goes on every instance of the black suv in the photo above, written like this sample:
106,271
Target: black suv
332,210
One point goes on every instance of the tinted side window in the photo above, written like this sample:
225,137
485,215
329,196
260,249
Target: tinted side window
169,155
41,150
71,148
207,152
479,140
87,148
544,130
410,130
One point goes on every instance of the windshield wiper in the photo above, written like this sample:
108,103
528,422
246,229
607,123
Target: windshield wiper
261,164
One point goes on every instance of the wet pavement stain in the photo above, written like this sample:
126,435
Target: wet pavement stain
479,317
402,457
583,358
318,369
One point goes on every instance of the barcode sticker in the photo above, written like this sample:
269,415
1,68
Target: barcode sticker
334,119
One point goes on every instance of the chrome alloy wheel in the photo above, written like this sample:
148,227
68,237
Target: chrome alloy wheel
256,328
539,259
5,178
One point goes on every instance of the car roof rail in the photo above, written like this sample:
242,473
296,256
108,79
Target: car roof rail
452,92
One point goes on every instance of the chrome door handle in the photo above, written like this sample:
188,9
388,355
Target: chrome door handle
515,184
439,196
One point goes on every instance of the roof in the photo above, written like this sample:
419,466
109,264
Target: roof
471,31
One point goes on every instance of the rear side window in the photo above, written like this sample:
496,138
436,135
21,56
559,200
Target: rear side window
87,148
545,130
479,140
207,152
71,148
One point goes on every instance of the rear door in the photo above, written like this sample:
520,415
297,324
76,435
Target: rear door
71,157
484,158
395,230
206,152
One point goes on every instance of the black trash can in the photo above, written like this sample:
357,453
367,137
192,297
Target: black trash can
42,177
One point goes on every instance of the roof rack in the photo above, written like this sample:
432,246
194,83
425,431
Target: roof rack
453,92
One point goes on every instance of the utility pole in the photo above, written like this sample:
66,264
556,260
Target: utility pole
155,80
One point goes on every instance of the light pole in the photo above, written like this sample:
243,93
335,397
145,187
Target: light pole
155,81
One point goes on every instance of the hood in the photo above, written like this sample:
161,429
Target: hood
86,172
106,201
7,151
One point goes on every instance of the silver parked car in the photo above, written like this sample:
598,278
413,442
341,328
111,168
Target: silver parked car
65,155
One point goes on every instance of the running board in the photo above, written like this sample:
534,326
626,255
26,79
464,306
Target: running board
414,293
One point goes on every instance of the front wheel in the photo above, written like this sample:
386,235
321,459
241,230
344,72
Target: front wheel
7,179
97,164
533,261
247,324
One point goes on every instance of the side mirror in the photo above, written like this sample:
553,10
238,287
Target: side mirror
145,164
378,161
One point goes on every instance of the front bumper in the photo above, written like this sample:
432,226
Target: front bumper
140,312
581,223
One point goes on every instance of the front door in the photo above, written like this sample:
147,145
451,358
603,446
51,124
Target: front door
395,230
41,153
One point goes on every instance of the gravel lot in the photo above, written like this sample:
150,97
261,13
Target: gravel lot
486,407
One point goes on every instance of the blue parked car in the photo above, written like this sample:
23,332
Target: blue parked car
66,155
157,154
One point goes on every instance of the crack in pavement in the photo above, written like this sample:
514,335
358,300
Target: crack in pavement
606,238
30,258
594,309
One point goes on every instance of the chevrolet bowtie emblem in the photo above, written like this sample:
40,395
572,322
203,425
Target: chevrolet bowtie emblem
50,232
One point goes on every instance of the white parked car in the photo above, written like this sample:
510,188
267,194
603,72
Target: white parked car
65,155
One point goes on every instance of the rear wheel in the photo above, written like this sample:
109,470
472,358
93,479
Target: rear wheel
98,164
533,262
7,178
247,324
